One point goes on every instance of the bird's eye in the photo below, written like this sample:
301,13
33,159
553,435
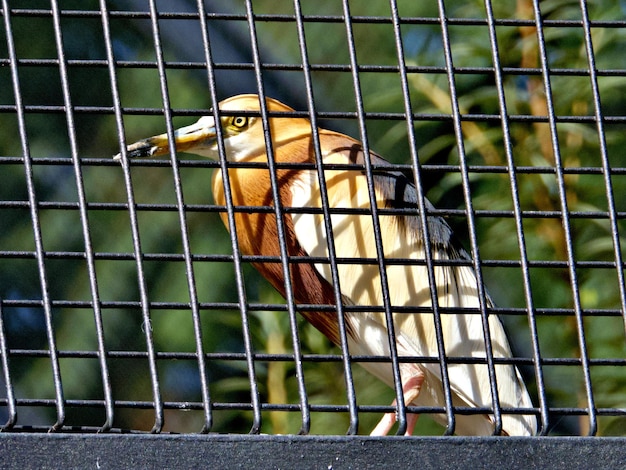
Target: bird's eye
239,122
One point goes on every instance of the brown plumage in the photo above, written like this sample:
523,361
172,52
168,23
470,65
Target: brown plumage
354,238
258,235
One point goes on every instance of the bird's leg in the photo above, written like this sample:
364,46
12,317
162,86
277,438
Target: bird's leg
410,390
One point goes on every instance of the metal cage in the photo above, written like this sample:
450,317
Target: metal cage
126,307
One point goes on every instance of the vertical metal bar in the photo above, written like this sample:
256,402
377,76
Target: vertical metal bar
6,375
141,278
519,225
380,254
84,218
443,363
469,210
571,261
232,227
332,255
180,203
606,165
34,215
280,224
117,106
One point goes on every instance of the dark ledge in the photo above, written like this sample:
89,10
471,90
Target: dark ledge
109,451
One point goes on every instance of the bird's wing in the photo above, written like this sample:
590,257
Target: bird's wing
354,237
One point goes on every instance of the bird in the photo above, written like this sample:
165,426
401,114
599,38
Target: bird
347,189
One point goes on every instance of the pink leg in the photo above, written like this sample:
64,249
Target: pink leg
411,421
411,390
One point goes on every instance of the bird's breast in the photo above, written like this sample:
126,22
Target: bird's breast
257,234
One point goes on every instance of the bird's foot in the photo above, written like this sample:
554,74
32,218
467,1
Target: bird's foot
410,390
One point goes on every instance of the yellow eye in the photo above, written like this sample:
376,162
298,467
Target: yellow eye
239,122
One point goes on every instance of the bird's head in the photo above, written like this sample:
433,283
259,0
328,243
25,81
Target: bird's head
242,130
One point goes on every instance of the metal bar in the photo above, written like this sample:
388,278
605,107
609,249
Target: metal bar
280,225
237,257
439,117
471,224
189,270
519,225
193,65
11,403
84,218
565,220
141,280
422,208
36,225
332,255
401,410
606,164
316,18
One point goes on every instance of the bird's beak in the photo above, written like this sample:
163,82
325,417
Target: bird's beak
198,135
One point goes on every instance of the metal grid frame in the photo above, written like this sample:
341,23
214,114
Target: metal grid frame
11,402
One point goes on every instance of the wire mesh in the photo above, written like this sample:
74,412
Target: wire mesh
124,304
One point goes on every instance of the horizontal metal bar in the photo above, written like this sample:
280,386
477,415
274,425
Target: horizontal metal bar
316,67
318,18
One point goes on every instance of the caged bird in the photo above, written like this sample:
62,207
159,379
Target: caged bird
360,283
